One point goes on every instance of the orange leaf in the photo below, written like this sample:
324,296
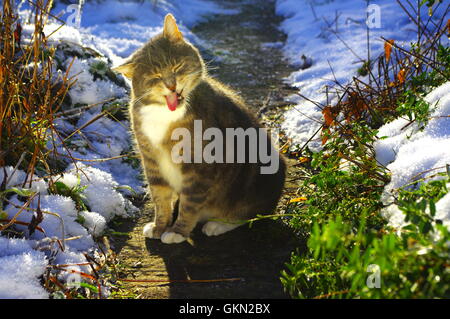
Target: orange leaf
298,199
325,133
401,76
328,116
388,49
303,159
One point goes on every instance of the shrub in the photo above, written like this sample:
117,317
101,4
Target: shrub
349,241
29,94
411,264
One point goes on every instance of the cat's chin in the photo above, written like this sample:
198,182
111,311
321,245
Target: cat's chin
163,106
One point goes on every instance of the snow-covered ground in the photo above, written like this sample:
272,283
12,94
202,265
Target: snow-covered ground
115,29
411,154
321,32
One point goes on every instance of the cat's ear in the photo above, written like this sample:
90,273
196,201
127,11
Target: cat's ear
171,30
127,69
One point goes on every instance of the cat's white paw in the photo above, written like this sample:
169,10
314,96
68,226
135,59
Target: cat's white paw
172,238
148,230
213,228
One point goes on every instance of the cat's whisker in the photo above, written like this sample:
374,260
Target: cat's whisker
141,97
137,99
210,68
195,73
210,61
207,63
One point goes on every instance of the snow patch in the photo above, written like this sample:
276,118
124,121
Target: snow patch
321,31
410,153
20,268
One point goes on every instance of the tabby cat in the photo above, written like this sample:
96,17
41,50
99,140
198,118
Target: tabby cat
172,91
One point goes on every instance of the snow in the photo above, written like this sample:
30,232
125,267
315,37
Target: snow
94,222
20,267
102,197
88,91
311,32
101,193
115,29
410,153
17,178
118,28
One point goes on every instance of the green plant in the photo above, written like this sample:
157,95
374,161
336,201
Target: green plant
412,262
419,205
424,81
344,180
348,234
414,107
364,69
99,69
411,103
76,193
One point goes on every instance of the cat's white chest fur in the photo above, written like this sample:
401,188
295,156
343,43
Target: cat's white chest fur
155,121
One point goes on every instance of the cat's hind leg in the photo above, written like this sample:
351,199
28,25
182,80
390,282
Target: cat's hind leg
216,228
191,204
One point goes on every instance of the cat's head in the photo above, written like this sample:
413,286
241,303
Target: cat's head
165,70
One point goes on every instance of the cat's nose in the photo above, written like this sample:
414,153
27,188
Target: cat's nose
173,87
171,84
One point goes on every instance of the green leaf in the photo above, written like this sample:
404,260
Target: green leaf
432,208
25,192
128,188
61,188
3,215
92,288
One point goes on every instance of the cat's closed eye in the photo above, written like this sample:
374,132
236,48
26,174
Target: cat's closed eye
152,78
178,67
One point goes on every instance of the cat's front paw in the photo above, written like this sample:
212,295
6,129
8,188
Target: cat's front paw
169,237
150,231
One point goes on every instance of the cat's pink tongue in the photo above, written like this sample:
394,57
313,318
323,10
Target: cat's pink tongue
172,101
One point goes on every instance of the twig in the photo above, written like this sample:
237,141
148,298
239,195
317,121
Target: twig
265,104
13,220
25,207
189,281
310,139
368,41
421,58
98,159
15,168
78,110
332,294
21,223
